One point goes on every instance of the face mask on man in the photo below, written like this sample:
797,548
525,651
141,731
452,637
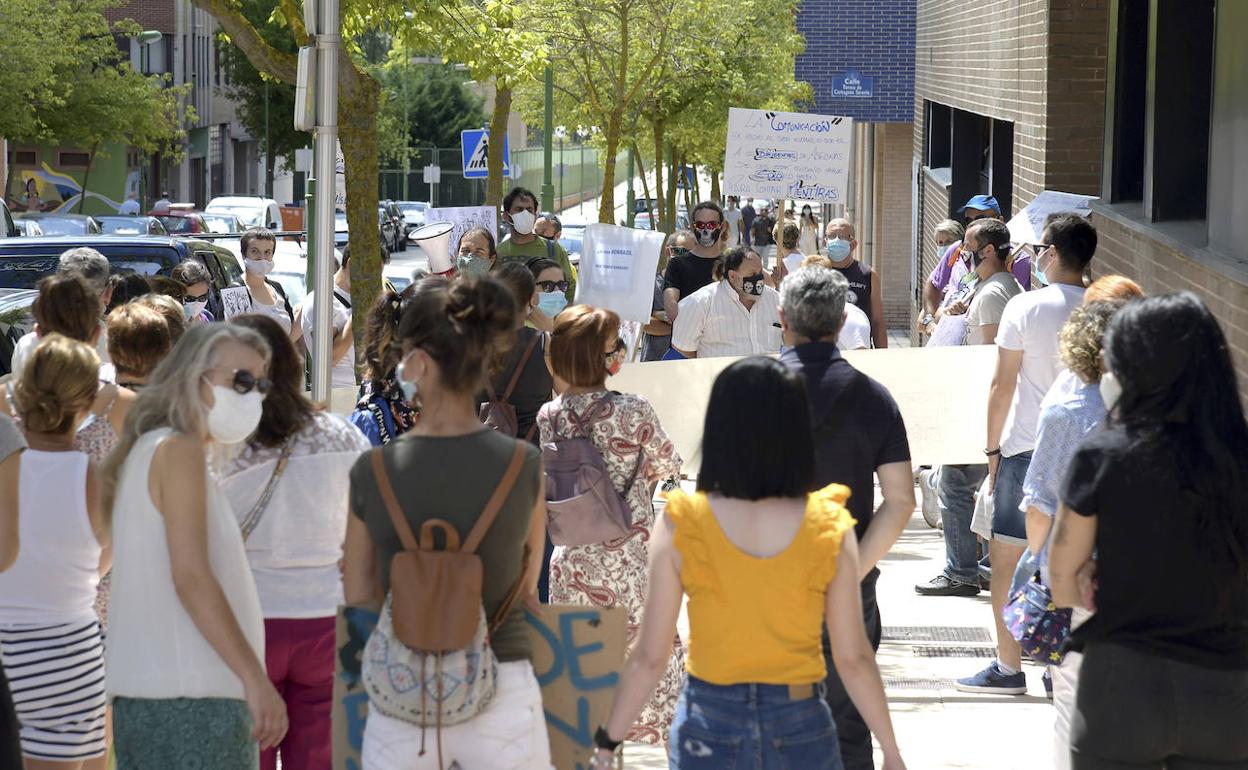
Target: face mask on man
753,284
473,265
551,303
523,222
708,237
259,266
838,249
234,416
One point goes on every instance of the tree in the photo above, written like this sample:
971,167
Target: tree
266,105
433,99
66,81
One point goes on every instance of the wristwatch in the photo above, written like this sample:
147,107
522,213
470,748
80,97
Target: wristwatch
602,739
992,452
927,319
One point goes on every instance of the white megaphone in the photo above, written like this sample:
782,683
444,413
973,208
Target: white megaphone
435,239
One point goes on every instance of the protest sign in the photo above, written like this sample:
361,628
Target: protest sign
463,219
617,270
1027,226
941,393
578,653
235,300
787,155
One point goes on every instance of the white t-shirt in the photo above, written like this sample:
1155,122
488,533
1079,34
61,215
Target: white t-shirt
856,333
343,373
297,542
988,304
733,219
1031,323
276,311
714,322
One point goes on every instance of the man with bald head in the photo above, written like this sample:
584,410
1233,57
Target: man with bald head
865,290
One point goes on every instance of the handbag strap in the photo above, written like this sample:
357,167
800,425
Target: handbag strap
515,375
401,525
252,519
477,534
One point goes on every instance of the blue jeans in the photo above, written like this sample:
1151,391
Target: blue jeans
958,485
752,727
1009,522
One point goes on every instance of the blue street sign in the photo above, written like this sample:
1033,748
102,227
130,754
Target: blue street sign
475,147
852,85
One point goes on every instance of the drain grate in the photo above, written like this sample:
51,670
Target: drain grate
954,652
936,634
912,683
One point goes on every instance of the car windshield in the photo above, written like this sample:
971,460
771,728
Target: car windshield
220,223
249,216
340,221
293,284
412,208
63,226
178,224
123,226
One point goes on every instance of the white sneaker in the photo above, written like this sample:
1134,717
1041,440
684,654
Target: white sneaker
928,479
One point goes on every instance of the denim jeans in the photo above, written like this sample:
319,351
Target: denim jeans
958,485
1009,523
854,735
751,727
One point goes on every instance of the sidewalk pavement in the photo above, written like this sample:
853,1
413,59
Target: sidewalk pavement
928,643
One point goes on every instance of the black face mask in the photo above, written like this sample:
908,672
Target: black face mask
753,284
708,237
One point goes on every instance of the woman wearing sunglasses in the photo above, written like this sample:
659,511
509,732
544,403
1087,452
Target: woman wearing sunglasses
288,488
625,430
552,287
186,674
197,281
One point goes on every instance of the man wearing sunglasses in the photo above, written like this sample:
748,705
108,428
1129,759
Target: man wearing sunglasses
691,269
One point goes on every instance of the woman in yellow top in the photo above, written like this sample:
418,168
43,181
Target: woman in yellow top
764,560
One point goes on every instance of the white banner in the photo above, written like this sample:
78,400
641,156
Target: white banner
794,155
617,270
464,218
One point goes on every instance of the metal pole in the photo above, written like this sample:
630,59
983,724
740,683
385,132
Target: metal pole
309,210
563,170
632,194
581,206
268,148
327,42
866,235
407,124
548,186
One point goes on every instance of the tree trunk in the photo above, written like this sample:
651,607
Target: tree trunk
357,132
659,193
645,184
715,196
673,175
498,130
697,185
684,175
606,204
86,177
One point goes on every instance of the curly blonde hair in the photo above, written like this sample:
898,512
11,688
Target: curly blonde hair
1081,337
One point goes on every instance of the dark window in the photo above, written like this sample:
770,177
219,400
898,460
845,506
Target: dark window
73,159
26,157
982,159
939,135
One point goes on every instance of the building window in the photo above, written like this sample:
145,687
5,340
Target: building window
25,157
939,135
73,159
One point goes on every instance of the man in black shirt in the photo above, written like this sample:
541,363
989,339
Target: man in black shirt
747,218
688,272
858,433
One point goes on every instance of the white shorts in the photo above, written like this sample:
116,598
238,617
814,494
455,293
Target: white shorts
509,735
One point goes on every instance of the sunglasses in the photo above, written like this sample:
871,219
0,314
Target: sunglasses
706,225
619,348
188,299
549,286
970,218
244,382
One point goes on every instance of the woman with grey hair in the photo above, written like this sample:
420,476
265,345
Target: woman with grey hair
185,658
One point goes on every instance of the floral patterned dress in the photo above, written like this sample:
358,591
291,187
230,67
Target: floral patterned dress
613,573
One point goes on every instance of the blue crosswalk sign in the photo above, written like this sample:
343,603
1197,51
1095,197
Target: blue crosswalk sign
475,147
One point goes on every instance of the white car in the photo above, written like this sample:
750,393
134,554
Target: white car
251,210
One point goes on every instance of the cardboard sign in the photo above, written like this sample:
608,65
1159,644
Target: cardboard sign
235,300
787,155
942,394
578,653
463,219
1027,226
617,270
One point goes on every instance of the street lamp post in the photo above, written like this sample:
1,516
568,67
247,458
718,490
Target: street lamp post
548,187
561,133
581,133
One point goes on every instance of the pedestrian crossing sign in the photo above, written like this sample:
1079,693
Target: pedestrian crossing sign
475,147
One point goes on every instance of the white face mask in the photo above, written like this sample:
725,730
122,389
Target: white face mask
1111,390
523,222
259,266
234,416
193,309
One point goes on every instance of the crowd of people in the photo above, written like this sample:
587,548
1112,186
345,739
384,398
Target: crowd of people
179,523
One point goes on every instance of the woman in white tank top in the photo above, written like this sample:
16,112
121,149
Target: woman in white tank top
186,673
50,637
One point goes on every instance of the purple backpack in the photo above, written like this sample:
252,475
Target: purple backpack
582,505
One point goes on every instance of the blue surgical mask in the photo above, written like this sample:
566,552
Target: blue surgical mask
838,249
471,264
551,303
409,389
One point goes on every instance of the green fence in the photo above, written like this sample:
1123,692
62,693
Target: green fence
576,174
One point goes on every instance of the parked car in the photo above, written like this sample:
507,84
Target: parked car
251,210
28,227
124,225
182,221
390,227
8,229
642,221
571,239
340,229
15,321
222,222
413,213
52,223
23,261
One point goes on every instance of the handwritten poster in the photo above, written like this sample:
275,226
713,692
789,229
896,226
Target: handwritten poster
617,270
463,219
578,653
1027,226
793,155
235,300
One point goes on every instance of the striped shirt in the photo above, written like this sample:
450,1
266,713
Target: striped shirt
714,322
